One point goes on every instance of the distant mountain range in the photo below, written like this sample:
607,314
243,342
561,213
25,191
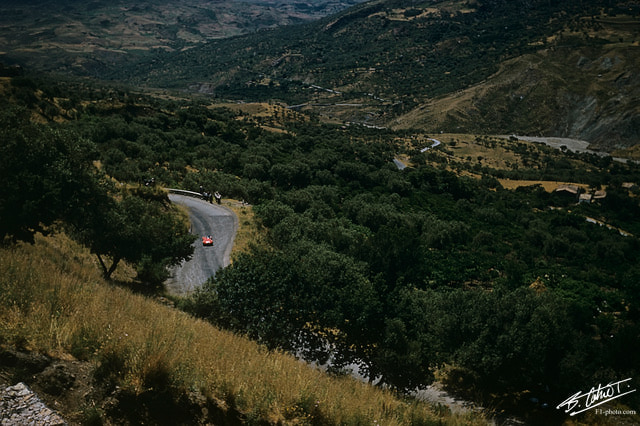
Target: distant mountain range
534,67
87,37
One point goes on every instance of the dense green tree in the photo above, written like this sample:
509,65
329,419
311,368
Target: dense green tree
142,228
47,175
257,295
272,212
394,271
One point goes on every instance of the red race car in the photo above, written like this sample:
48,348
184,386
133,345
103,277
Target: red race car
207,241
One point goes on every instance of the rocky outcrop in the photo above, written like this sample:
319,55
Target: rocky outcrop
20,406
78,396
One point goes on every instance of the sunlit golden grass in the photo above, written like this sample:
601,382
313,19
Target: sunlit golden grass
248,231
458,149
273,112
465,148
547,185
632,153
53,300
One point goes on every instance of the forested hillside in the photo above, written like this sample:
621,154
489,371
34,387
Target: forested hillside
92,38
528,67
401,272
399,234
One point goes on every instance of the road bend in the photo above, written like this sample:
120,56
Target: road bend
206,219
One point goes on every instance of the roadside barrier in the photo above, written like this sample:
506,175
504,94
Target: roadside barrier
185,192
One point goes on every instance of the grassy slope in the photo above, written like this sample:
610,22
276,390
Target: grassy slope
52,300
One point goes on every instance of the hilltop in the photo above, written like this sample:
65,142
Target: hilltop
583,92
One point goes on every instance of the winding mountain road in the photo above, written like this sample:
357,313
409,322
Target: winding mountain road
206,219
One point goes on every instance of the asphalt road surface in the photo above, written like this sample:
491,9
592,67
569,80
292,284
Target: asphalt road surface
206,219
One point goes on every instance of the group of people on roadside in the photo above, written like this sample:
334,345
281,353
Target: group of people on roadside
208,196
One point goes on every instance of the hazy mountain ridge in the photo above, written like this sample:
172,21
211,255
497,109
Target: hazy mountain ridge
90,38
574,63
528,67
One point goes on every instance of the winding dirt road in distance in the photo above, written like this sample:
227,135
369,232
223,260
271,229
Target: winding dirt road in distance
206,219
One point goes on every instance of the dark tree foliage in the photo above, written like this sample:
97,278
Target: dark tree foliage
398,272
142,228
441,273
47,176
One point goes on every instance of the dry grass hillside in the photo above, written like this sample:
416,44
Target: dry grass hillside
132,360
